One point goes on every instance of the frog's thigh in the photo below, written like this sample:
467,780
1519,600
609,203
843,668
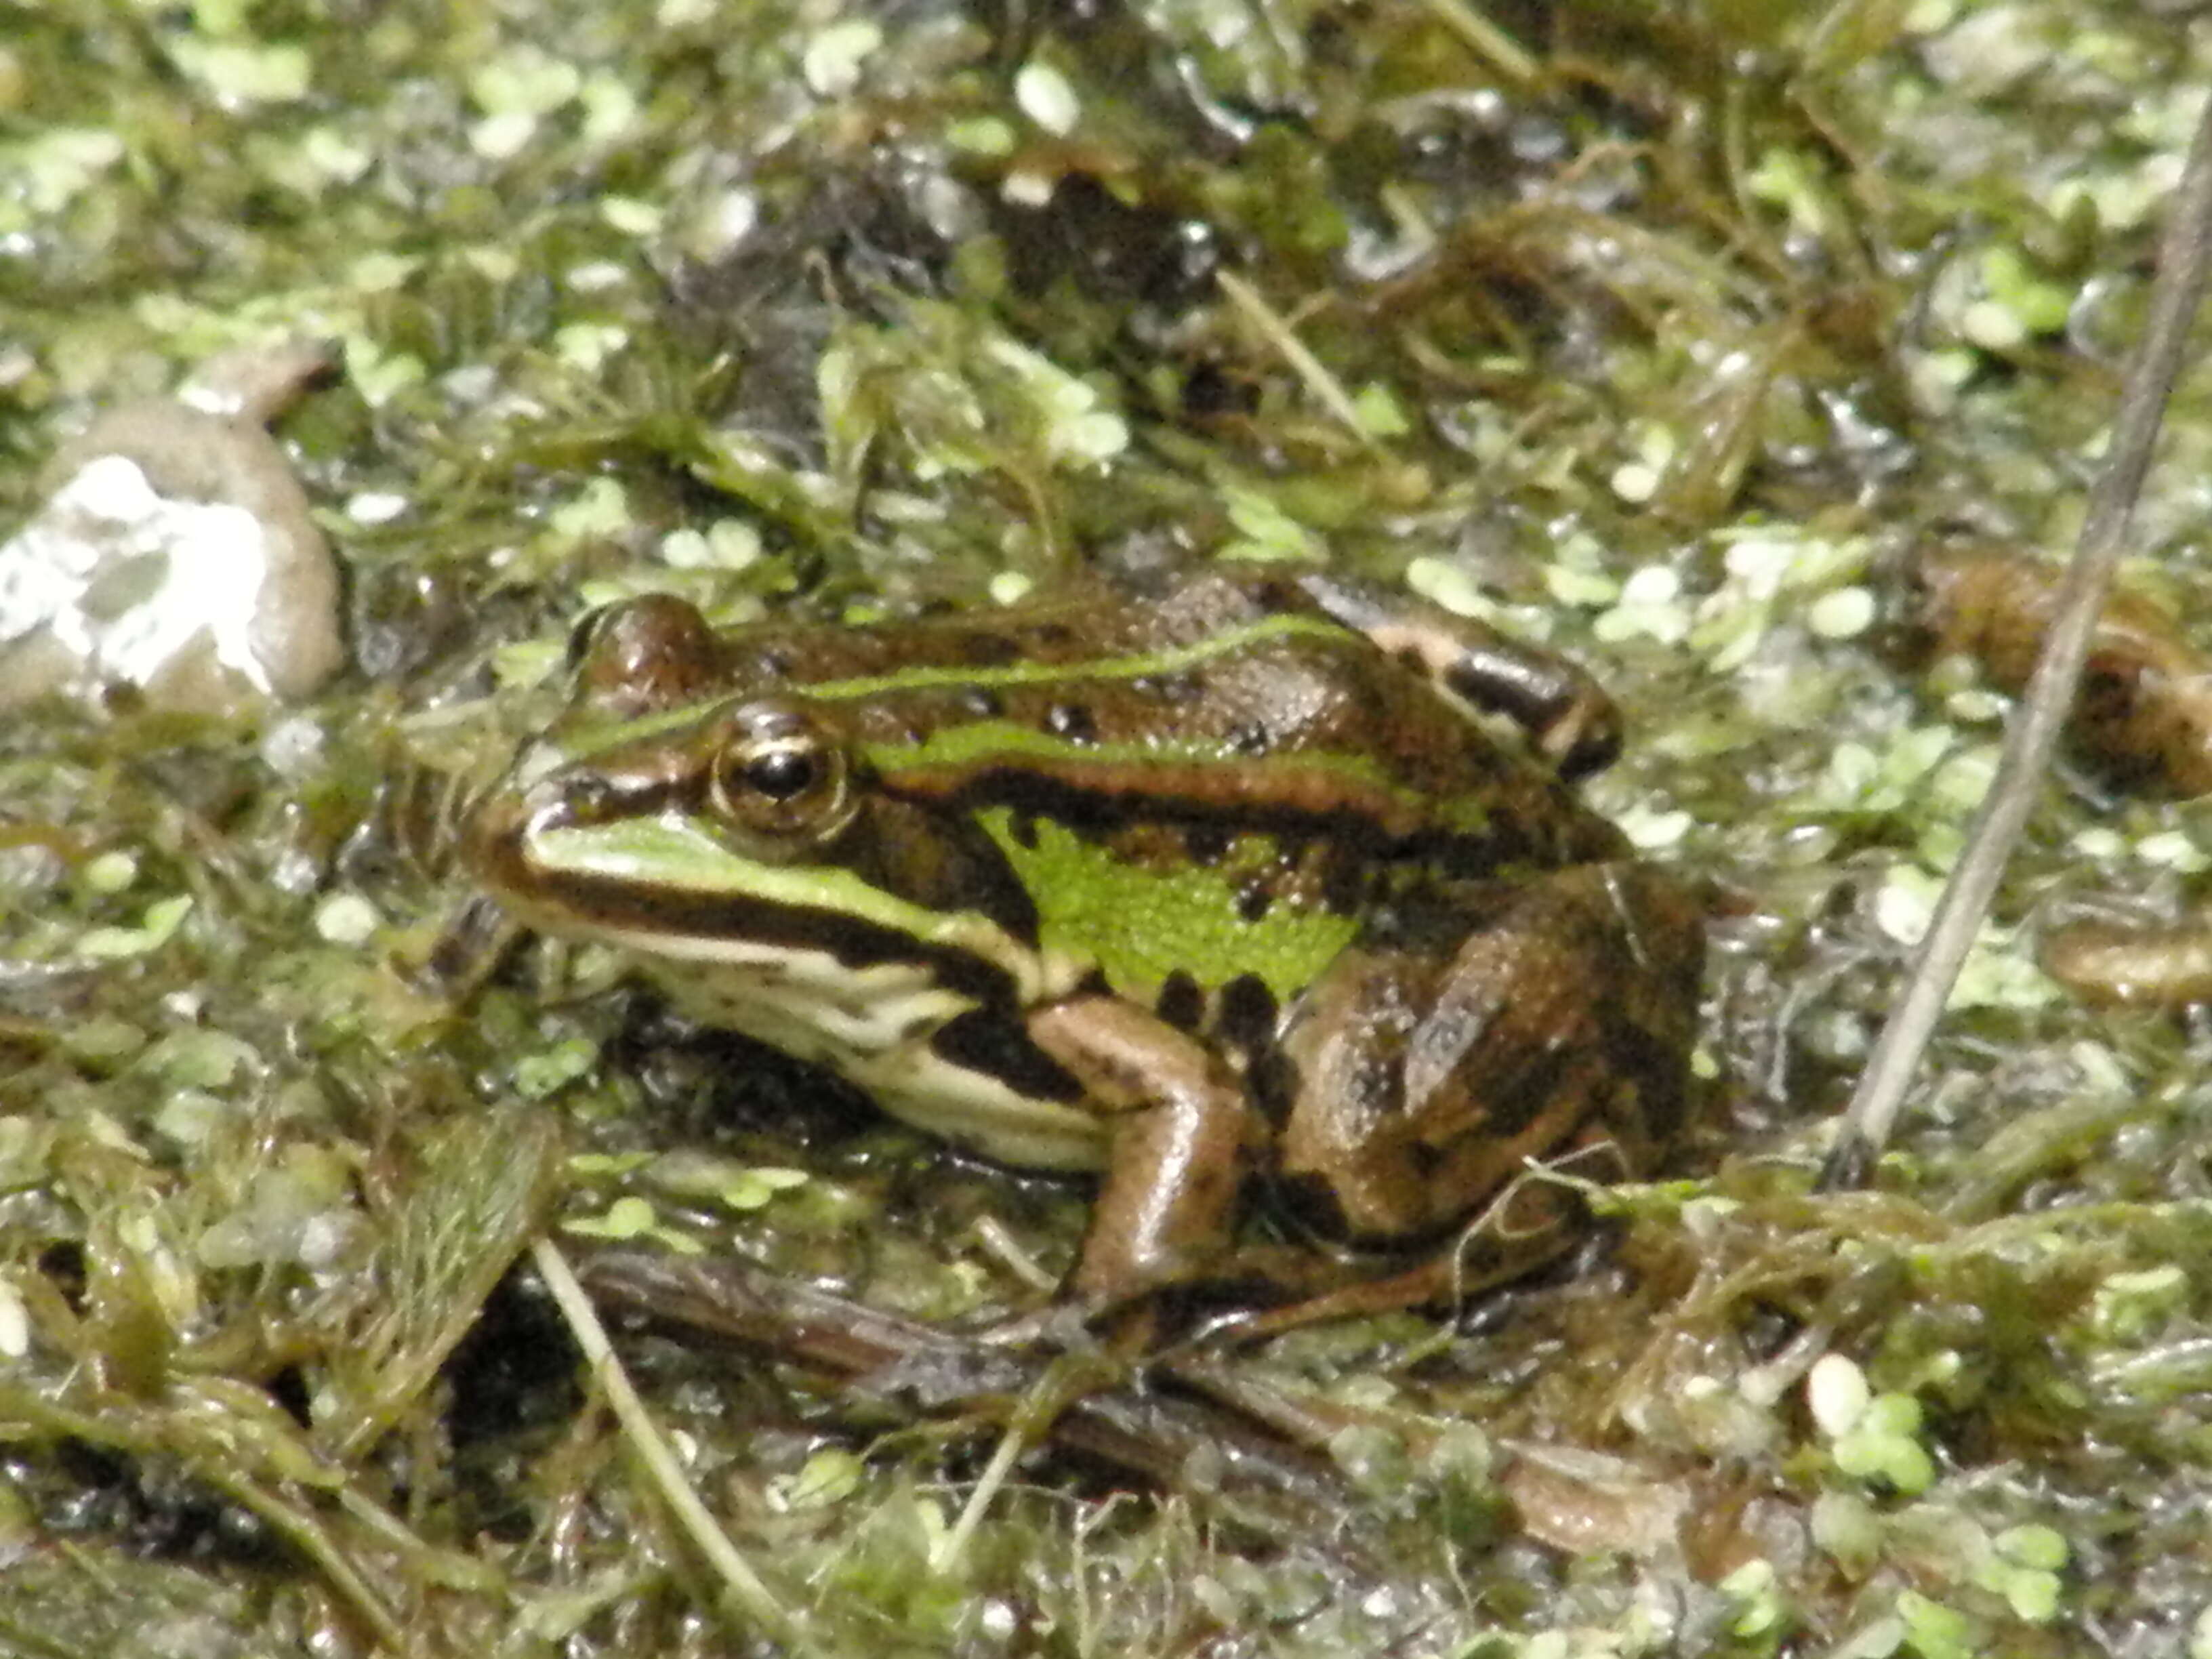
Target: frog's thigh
1180,1130
1428,1073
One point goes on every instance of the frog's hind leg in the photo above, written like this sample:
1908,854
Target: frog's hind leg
1505,1026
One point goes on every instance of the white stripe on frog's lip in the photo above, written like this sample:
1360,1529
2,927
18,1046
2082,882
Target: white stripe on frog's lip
871,1025
805,1002
671,857
871,1021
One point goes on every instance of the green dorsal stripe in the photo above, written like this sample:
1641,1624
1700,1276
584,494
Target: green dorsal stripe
1176,660
1312,780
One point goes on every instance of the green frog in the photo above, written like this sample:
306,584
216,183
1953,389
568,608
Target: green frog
1245,883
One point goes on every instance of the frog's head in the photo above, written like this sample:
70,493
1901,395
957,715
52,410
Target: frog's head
771,778
663,782
685,806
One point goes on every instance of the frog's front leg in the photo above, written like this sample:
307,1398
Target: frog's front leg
1181,1137
1453,1044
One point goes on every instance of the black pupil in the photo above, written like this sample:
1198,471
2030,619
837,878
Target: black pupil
780,774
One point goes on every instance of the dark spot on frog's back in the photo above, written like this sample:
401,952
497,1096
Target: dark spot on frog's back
1206,843
1182,1004
985,649
1251,739
1247,1013
1073,721
1253,900
1344,886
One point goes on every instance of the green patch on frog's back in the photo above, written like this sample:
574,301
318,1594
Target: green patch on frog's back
1141,924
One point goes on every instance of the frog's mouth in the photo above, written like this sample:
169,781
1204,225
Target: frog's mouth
665,887
813,961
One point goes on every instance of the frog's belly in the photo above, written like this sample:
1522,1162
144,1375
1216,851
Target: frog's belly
874,1025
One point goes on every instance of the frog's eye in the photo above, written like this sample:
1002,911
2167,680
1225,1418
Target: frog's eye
780,779
784,774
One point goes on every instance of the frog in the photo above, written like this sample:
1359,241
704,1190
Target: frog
1240,892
